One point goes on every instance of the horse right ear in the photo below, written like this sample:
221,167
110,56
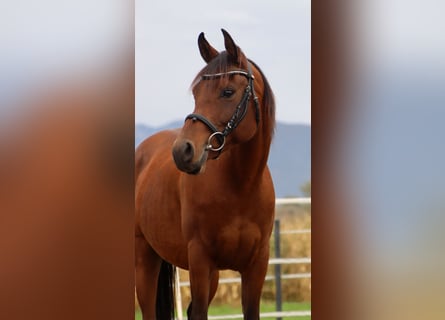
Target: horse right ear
206,50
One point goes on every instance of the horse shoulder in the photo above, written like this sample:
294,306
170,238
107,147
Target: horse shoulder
266,188
157,142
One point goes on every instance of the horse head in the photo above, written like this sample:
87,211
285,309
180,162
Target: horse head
226,93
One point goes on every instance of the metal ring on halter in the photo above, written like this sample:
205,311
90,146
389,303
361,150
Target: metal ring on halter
209,142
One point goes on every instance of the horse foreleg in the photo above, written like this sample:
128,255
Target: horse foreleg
148,265
252,281
214,278
201,273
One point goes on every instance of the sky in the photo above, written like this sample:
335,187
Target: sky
49,36
393,156
274,34
43,40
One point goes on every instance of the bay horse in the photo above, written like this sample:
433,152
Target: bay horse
204,194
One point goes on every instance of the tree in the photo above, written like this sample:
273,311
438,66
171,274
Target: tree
306,189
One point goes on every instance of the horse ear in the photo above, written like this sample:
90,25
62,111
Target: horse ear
206,50
231,47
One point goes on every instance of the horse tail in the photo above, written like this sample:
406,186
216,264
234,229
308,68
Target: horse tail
165,303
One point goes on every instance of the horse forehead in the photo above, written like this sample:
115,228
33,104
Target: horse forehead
206,86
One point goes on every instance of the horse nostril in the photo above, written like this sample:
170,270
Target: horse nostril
188,151
183,154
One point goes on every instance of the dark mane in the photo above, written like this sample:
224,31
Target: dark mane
221,64
268,99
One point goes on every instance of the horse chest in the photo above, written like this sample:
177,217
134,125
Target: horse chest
233,245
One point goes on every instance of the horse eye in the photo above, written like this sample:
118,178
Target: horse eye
227,93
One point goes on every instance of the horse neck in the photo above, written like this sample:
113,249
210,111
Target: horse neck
247,161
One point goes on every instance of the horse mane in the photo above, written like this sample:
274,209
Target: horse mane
221,64
268,100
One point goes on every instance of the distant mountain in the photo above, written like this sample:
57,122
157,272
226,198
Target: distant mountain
289,159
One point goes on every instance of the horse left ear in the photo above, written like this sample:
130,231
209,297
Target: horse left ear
231,47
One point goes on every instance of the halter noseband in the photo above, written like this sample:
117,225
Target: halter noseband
238,115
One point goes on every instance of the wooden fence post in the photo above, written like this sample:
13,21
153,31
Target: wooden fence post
278,301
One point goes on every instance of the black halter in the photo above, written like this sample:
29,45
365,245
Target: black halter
238,115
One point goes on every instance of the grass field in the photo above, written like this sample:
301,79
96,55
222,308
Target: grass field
265,307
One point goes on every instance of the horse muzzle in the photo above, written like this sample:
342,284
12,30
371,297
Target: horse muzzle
187,158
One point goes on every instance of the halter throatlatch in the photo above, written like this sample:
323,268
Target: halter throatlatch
238,115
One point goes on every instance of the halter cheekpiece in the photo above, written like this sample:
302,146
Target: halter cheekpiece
238,115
